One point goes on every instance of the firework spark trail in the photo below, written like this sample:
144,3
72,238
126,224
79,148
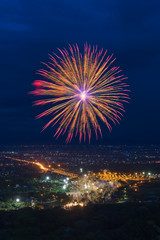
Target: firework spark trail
81,91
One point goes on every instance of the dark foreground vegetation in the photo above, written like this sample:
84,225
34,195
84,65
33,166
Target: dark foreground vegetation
94,222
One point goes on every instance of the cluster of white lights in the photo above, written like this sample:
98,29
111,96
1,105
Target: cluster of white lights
66,183
149,174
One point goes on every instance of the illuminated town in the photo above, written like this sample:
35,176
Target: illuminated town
80,120
48,176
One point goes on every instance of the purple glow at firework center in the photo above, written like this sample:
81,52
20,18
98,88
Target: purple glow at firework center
83,95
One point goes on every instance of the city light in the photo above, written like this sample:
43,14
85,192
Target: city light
55,170
87,186
74,204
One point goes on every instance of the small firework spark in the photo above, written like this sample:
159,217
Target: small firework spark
82,90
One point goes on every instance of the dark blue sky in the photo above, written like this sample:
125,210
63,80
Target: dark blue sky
32,29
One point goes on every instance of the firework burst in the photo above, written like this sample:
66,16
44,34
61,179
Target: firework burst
82,90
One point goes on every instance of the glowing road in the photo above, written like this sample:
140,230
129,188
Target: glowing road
42,167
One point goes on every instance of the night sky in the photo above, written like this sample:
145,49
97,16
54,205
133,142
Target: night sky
30,30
